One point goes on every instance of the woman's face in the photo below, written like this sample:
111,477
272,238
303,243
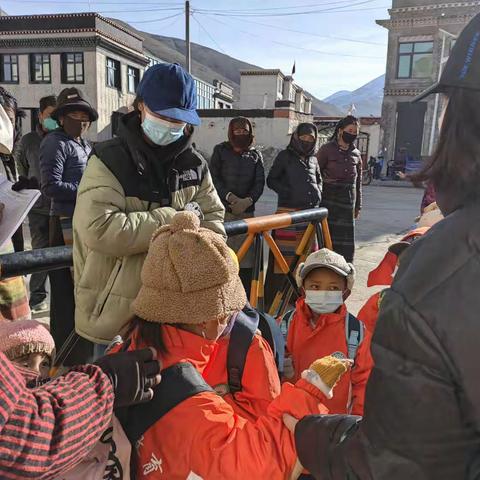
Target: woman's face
307,138
213,330
353,129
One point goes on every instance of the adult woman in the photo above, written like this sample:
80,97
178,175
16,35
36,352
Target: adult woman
295,176
341,166
422,419
239,177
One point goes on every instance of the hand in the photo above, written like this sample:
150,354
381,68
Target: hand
133,375
288,368
357,214
241,205
232,199
326,372
291,422
25,183
195,208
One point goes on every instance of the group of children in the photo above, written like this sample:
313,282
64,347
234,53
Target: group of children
190,308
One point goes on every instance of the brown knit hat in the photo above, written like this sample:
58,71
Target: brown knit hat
189,275
330,369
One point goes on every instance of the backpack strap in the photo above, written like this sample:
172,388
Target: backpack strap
272,333
354,332
243,331
179,382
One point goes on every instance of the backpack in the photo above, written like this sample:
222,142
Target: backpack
354,331
111,457
247,323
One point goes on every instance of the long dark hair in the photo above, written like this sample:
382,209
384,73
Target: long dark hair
455,165
148,332
344,123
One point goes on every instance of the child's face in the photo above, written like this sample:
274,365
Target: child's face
38,362
325,279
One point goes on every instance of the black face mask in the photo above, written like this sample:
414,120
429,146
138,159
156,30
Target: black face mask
306,147
349,137
75,128
241,142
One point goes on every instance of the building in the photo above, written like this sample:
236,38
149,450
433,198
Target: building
223,94
273,103
369,138
268,89
42,54
421,34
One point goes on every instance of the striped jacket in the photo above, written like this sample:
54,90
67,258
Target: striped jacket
46,431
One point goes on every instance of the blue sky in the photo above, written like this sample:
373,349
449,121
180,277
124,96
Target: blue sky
261,33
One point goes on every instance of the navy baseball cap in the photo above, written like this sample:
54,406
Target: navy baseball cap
462,69
168,90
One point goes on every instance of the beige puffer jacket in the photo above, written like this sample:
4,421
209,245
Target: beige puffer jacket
112,228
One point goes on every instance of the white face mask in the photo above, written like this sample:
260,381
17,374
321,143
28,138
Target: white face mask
324,301
6,133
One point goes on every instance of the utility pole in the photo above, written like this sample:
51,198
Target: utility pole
188,58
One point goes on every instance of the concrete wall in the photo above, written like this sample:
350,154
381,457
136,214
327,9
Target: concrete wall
253,89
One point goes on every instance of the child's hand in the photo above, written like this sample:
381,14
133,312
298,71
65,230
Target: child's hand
288,368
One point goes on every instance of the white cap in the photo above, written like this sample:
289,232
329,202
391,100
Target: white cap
326,258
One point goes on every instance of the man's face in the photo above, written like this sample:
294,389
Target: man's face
144,110
45,114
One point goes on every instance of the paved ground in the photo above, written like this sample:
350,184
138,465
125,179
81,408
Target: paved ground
387,213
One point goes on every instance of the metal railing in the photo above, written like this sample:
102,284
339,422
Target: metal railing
257,229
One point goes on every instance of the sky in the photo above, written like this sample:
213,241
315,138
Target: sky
335,44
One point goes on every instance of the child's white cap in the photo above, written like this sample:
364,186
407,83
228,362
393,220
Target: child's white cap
326,258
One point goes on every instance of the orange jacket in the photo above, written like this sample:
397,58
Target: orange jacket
203,437
369,312
305,344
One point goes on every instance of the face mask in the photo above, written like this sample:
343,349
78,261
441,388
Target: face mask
349,137
241,141
395,272
306,147
75,128
6,133
49,124
160,131
323,301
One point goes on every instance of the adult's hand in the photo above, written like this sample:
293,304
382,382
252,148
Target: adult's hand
133,375
241,205
26,183
232,199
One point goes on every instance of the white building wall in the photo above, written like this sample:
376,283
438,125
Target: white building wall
253,89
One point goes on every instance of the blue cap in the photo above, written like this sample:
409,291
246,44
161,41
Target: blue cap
168,90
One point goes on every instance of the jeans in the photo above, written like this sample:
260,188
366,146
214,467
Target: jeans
39,225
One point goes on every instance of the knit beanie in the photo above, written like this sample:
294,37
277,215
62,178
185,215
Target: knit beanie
189,276
23,337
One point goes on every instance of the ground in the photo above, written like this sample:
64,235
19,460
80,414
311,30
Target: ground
388,212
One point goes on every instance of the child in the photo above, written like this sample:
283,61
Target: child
383,275
321,324
29,345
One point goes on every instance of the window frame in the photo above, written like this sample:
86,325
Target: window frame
64,68
2,69
136,77
117,68
411,56
33,64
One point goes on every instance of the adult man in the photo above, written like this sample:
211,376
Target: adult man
132,185
28,166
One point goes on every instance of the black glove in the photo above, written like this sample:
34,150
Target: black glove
26,183
133,375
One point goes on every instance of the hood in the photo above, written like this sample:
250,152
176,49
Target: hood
240,122
297,145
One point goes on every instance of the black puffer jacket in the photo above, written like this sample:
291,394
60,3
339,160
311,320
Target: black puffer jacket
297,180
422,410
242,174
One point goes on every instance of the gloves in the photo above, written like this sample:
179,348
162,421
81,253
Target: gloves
25,183
231,198
288,369
240,205
195,208
133,375
326,372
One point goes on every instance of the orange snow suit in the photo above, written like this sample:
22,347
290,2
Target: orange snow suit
369,312
306,343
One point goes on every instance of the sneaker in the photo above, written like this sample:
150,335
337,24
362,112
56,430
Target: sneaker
39,307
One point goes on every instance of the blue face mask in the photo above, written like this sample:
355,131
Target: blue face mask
161,132
49,124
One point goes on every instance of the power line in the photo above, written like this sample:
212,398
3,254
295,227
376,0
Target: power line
276,27
208,33
159,19
86,2
296,47
149,10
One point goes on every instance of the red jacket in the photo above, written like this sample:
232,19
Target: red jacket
203,437
306,343
369,312
45,431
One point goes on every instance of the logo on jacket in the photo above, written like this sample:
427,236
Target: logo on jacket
154,465
188,175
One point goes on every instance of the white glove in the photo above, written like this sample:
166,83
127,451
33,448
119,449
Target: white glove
288,369
195,208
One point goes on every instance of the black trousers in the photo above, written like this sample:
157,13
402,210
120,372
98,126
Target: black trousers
39,231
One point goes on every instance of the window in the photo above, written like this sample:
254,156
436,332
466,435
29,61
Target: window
280,87
415,60
40,71
9,72
113,74
133,76
72,68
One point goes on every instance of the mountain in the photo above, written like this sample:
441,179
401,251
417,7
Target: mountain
367,99
208,64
